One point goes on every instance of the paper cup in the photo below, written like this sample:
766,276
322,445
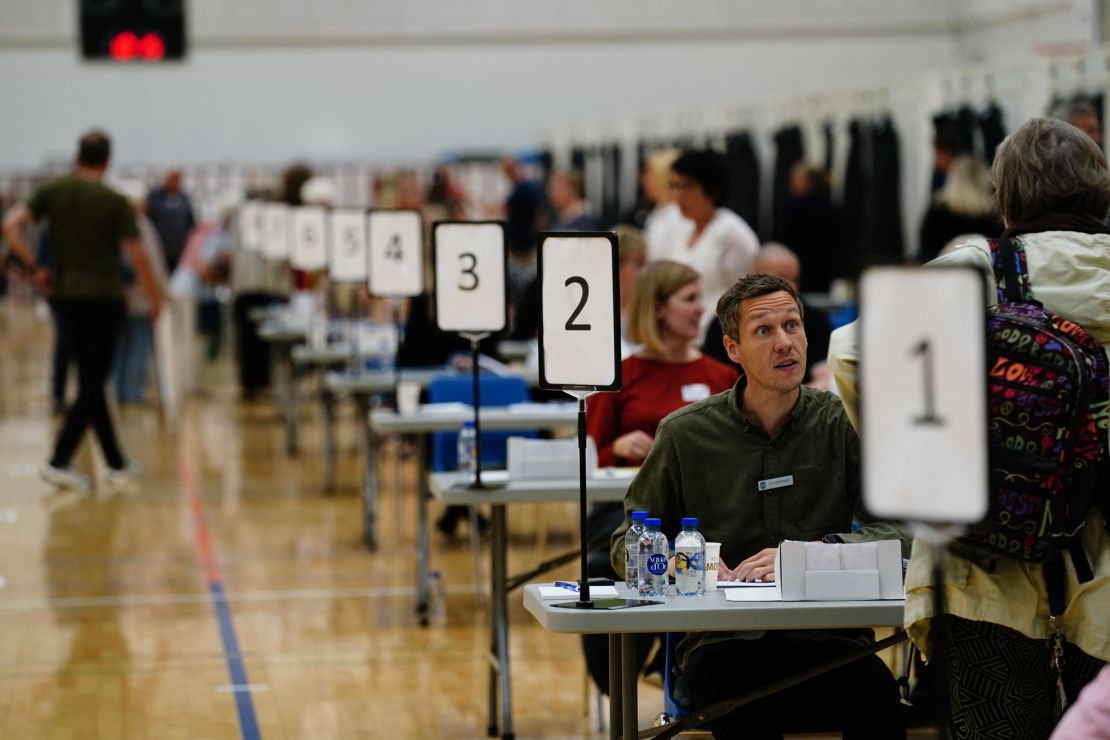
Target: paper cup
408,398
712,558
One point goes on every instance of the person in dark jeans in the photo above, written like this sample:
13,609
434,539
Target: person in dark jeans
88,223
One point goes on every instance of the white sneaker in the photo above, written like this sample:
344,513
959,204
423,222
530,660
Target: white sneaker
66,477
122,478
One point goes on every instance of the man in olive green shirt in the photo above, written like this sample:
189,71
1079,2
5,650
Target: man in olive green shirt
89,223
766,461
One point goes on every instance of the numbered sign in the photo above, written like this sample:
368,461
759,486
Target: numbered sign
347,257
251,224
396,253
579,311
470,274
310,247
275,237
923,394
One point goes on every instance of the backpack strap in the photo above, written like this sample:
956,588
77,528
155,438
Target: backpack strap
1055,579
1011,273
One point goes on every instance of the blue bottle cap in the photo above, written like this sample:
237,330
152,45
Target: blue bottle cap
469,423
689,522
653,521
639,516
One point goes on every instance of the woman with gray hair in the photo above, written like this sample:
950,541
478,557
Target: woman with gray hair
1053,192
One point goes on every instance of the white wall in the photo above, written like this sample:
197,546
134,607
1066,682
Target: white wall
269,80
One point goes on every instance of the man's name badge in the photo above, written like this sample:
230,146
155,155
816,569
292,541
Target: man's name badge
772,483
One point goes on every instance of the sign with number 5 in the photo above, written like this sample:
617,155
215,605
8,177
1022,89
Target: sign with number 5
347,245
470,271
579,311
923,398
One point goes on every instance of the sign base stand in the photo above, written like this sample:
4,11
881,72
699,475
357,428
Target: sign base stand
477,484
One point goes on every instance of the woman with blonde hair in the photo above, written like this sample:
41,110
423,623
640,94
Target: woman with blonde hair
964,206
664,317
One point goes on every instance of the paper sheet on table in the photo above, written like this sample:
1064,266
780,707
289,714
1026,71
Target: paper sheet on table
450,407
745,584
752,594
596,592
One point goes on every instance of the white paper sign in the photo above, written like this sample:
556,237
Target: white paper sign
923,394
275,239
579,313
310,246
470,276
250,226
396,253
347,258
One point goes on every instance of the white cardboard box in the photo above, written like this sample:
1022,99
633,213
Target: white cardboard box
816,571
548,458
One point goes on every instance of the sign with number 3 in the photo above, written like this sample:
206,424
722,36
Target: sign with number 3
470,271
579,311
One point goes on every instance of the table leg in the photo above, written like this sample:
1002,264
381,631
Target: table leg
327,399
615,692
500,620
370,482
422,590
630,710
292,399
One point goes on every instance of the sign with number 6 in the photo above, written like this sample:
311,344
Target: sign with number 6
470,271
310,249
579,311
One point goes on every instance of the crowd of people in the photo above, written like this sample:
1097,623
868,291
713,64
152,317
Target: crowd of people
725,383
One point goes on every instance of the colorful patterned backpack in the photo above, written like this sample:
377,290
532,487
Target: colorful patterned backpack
1048,412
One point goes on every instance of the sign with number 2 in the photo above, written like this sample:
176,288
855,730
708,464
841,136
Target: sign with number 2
579,311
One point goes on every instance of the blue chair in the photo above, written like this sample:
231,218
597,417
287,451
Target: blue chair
494,390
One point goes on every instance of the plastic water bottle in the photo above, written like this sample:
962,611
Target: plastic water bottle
689,559
652,559
632,550
468,444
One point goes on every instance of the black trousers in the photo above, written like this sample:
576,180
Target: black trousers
859,699
1001,683
252,352
91,328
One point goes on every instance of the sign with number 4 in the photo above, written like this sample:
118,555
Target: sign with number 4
579,311
396,253
923,397
470,270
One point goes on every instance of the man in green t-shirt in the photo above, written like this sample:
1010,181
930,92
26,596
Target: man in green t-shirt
88,224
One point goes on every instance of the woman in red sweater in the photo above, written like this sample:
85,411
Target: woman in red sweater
664,313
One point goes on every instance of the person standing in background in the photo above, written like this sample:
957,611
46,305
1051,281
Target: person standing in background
170,211
711,239
134,350
572,213
88,222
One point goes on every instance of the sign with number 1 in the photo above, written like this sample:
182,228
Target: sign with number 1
470,271
579,311
347,240
923,402
396,253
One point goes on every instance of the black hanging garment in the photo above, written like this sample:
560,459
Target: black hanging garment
743,182
789,150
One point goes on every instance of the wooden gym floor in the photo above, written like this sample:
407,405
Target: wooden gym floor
225,596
